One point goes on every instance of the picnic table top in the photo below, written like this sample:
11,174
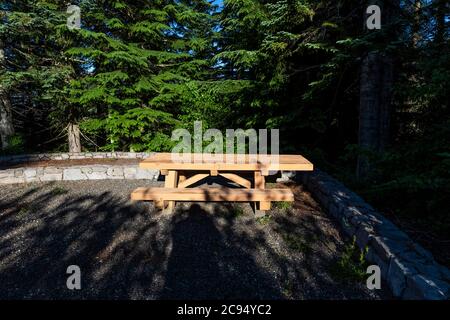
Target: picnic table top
286,162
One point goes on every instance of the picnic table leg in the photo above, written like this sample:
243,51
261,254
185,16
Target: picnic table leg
171,182
182,176
260,183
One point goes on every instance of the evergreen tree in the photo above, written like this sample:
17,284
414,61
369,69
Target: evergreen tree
35,69
138,56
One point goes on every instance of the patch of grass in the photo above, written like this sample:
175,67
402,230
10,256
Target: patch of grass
296,242
288,289
33,189
351,265
237,211
59,191
283,205
24,209
264,220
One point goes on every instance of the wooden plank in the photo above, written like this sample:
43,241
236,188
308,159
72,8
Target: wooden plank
260,183
159,204
164,161
265,205
237,179
212,194
259,180
171,182
192,180
181,177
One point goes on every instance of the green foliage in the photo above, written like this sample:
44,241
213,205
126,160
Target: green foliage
57,191
237,211
264,220
352,265
35,69
16,145
297,242
283,205
136,90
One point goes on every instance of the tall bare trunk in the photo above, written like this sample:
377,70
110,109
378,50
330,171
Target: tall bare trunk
441,10
369,110
6,119
6,125
74,137
416,26
376,83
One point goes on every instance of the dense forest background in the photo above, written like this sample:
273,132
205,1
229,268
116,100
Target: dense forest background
368,106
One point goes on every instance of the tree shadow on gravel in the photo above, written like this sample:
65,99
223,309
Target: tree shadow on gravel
203,264
124,250
128,250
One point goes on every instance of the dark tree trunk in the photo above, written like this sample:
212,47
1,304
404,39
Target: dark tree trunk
6,125
376,83
416,26
442,9
6,120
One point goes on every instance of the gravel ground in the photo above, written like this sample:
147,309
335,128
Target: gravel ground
129,250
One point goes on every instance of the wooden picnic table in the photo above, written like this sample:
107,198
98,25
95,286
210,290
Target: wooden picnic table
181,174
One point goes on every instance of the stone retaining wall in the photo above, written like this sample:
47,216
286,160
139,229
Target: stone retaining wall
410,271
71,156
80,172
85,172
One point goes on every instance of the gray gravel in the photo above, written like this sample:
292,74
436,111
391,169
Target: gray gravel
129,250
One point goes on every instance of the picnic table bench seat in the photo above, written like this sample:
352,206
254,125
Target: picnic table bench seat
211,194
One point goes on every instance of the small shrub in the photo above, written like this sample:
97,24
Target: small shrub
237,211
296,242
24,209
352,264
288,289
283,205
16,145
59,191
264,219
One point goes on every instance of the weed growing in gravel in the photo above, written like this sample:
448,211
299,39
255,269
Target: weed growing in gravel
33,190
58,191
352,265
24,209
264,219
237,211
283,205
296,242
288,289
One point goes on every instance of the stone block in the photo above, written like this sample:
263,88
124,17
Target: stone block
396,277
347,227
97,175
381,248
51,177
145,174
73,174
363,235
30,172
52,170
373,258
423,288
18,173
12,180
115,171
6,173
